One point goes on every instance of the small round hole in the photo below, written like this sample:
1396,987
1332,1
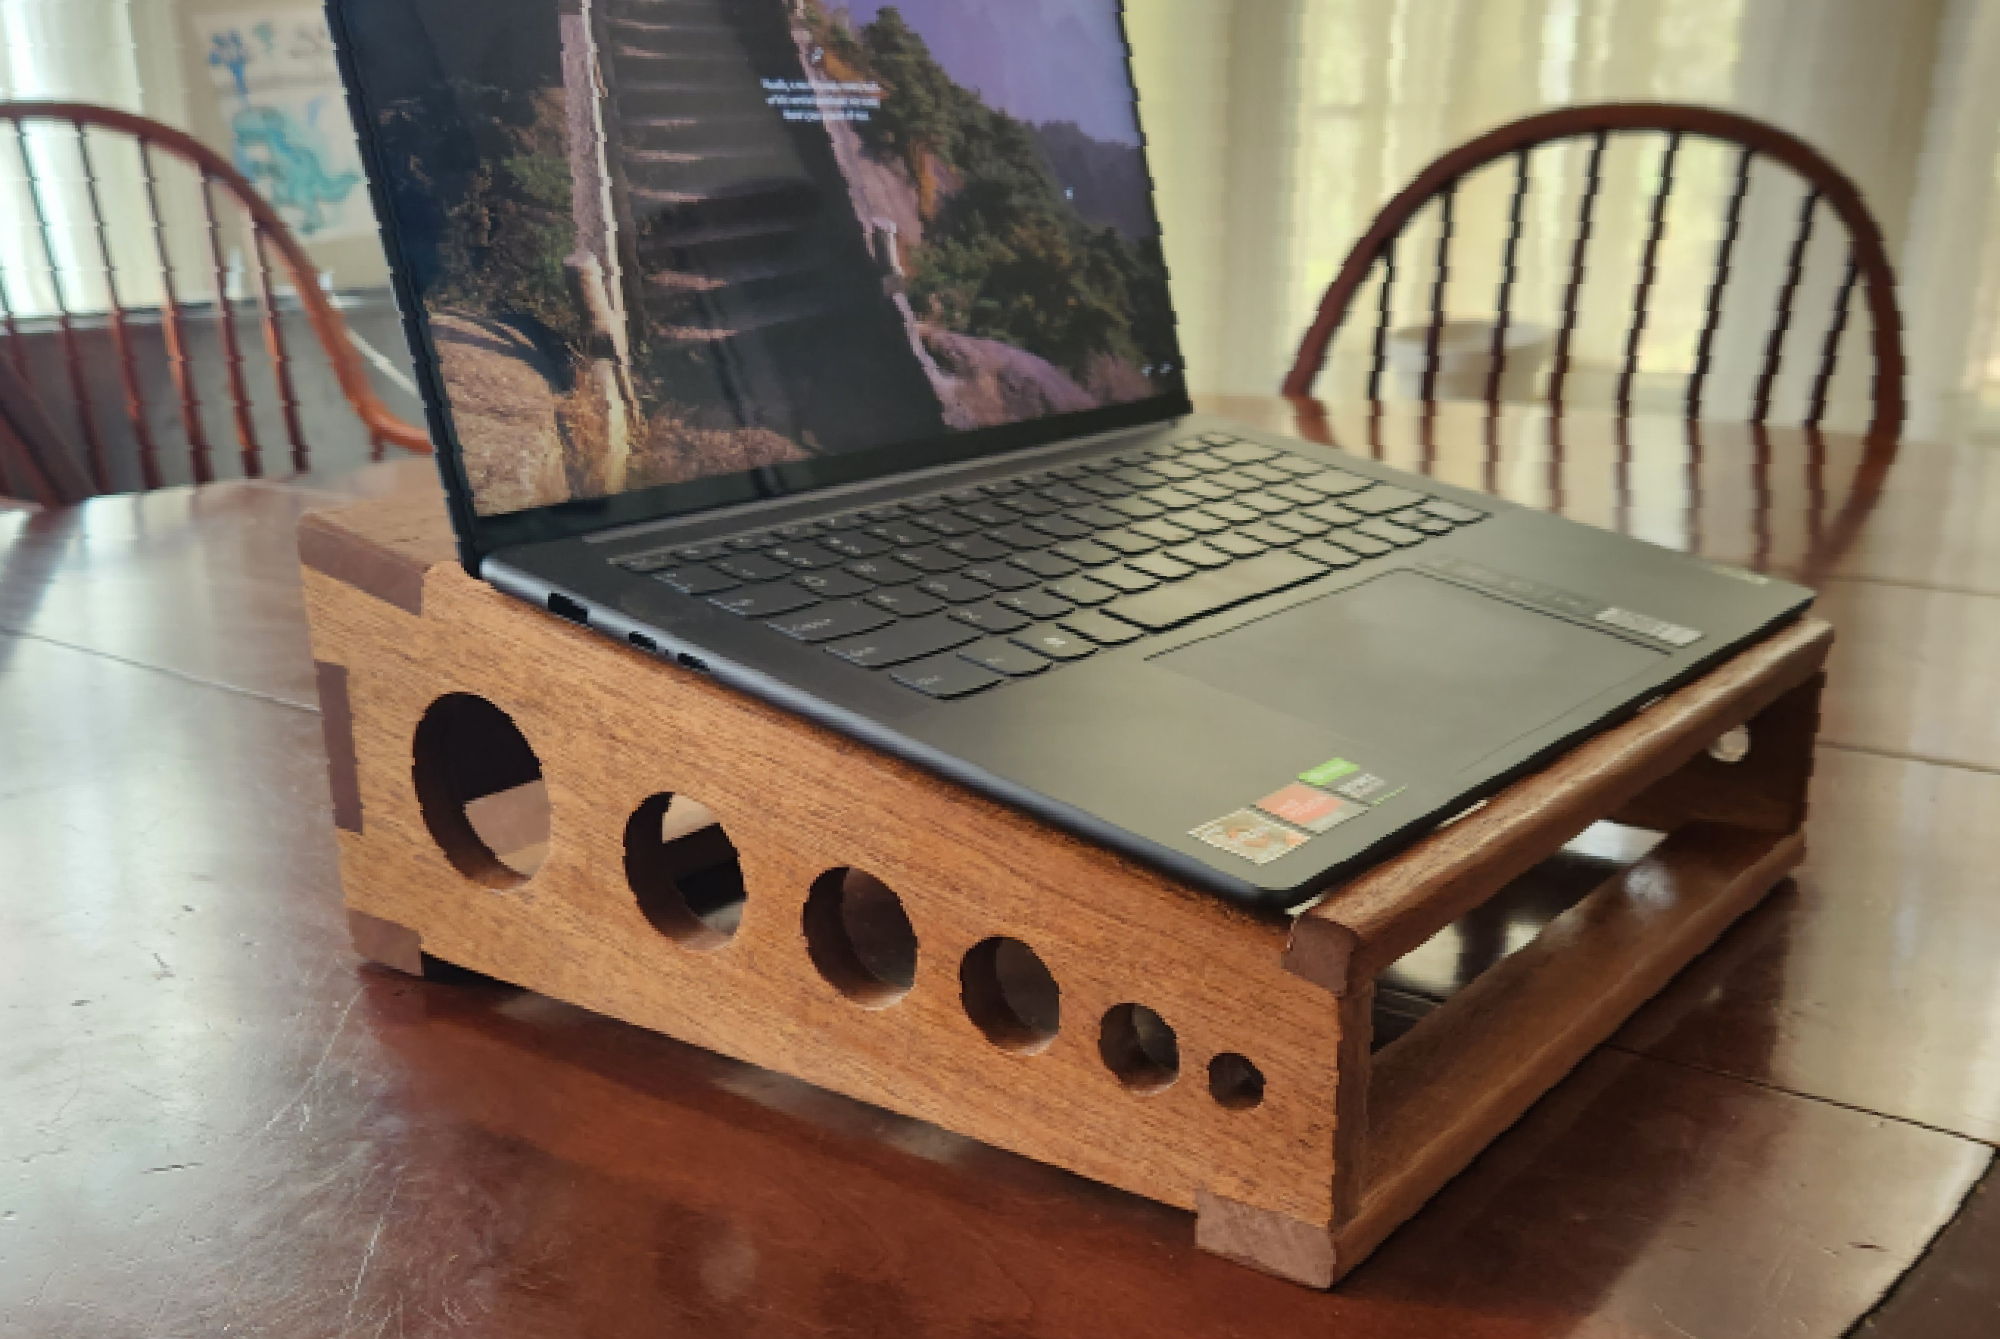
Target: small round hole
1010,995
1235,1082
479,786
1732,747
683,869
1139,1047
859,937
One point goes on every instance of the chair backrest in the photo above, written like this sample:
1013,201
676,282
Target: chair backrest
1826,185
76,226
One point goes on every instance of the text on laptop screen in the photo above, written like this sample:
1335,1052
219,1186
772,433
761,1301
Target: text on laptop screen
657,241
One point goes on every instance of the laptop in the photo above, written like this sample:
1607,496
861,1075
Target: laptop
826,350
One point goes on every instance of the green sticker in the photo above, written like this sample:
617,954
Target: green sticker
1329,772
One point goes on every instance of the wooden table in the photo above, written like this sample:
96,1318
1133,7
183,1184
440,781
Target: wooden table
214,1120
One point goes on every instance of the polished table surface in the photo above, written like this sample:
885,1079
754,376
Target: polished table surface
215,1120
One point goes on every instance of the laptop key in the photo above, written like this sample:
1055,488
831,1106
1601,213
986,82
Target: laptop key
855,545
1335,483
975,548
1124,578
647,563
884,571
901,533
1098,518
1002,657
990,617
1173,499
1081,590
1139,477
750,543
1204,461
1263,502
795,533
702,553
1020,537
1065,496
767,601
1451,511
1240,452
1207,490
957,590
1001,576
809,556
1266,474
1128,543
1294,465
1400,535
1232,512
1269,534
1045,565
1054,643
1036,604
1431,525
1199,522
1235,482
1200,555
1212,592
945,677
990,514
1303,497
902,642
906,602
1135,508
752,567
1061,527
1031,504
1333,514
948,523
1366,545
930,559
1161,566
1322,551
1167,532
1104,486
850,618
697,580
1101,628
964,497
833,585
1087,552
1300,524
1237,544
1170,471
879,514
1381,500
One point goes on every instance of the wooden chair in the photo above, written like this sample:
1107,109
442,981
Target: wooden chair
265,232
1826,187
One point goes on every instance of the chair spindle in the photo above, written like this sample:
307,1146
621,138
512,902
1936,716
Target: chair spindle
1593,181
172,326
79,384
232,347
1656,227
1732,224
1383,315
121,335
1774,349
1829,357
274,344
1509,273
1447,204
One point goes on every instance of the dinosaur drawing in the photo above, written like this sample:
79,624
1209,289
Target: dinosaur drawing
292,174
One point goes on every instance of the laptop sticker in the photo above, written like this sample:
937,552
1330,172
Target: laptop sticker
1252,836
1329,772
1369,789
1313,810
1673,634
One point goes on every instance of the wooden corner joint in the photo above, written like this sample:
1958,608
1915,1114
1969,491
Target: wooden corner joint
1275,1243
1321,951
387,943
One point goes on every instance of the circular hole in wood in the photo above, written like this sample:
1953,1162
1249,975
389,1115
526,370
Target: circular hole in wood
860,938
479,786
1732,747
683,869
1010,995
1235,1082
1139,1047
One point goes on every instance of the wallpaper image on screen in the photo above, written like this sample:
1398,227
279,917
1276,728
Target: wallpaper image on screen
662,242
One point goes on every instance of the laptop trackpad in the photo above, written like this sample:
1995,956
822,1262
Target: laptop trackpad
1432,673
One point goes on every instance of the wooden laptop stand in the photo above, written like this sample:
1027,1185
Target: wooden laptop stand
1045,971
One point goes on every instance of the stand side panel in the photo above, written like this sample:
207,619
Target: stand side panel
612,728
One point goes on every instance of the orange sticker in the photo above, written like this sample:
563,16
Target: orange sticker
1313,810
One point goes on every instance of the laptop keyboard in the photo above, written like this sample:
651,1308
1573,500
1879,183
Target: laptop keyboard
964,591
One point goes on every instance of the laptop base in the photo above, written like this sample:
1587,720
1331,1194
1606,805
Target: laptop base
524,798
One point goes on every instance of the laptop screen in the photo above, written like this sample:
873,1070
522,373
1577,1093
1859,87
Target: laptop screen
699,251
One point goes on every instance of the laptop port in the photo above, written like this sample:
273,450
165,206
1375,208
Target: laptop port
689,662
564,607
643,642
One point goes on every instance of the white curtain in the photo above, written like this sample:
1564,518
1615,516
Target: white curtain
1280,127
